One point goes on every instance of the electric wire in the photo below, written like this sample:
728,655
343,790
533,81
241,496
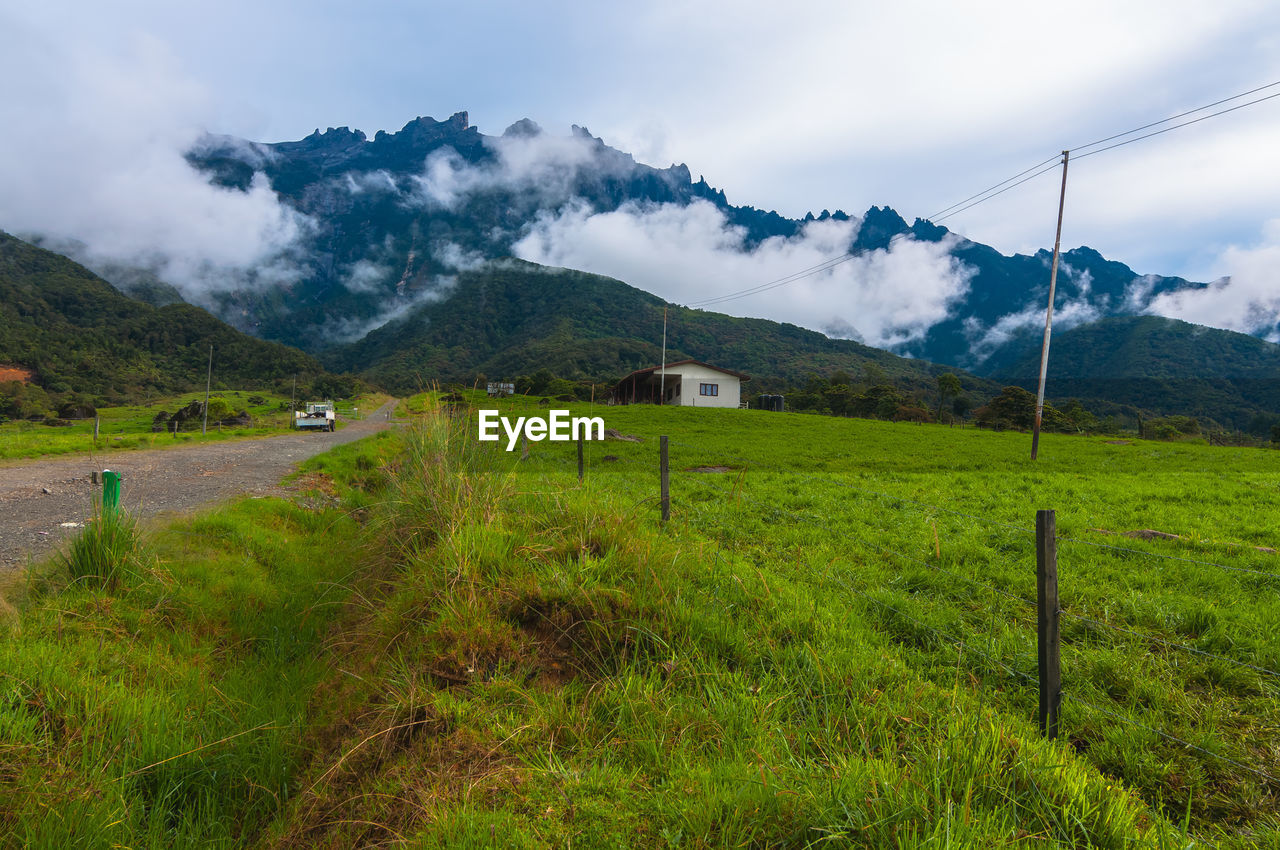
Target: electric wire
1177,126
1001,187
1176,117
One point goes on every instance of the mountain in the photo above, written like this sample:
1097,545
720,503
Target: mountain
75,334
514,317
394,217
1160,365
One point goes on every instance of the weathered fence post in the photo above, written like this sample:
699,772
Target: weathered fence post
95,428
665,477
110,491
1047,622
580,457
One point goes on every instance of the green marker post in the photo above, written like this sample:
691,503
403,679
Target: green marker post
110,490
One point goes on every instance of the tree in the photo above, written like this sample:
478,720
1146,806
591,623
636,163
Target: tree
1016,408
948,387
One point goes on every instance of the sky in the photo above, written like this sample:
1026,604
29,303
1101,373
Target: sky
793,107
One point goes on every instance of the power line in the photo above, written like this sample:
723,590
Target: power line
1178,126
1176,117
935,217
1005,185
1053,167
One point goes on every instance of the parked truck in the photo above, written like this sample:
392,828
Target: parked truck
318,416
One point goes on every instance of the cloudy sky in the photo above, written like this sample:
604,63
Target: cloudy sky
793,107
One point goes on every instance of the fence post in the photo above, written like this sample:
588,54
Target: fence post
580,457
95,428
110,491
1047,622
665,477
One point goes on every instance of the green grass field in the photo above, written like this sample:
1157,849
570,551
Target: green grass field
830,642
122,428
926,534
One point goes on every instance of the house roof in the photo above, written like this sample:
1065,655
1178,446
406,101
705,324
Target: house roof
640,373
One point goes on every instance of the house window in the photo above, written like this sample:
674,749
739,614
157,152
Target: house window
708,389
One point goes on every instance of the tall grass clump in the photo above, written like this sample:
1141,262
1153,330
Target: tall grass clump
107,549
445,480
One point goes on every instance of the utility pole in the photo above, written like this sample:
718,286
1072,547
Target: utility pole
204,426
1048,316
662,387
293,403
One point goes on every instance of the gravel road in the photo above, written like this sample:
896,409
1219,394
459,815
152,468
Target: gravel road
41,500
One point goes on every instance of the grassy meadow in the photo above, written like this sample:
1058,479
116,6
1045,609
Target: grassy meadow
129,427
437,643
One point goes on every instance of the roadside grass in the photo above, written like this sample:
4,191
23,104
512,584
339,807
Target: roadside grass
166,710
544,666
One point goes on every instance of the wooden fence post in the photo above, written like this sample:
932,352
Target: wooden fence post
579,457
665,478
1047,622
95,428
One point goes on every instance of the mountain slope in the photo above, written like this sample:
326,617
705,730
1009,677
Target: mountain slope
514,318
1162,365
78,334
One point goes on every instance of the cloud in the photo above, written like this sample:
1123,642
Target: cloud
93,156
686,254
1247,301
454,256
543,168
1068,313
341,329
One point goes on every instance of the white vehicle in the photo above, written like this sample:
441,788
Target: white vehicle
318,416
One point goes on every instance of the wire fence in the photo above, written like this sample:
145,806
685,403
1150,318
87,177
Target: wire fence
701,503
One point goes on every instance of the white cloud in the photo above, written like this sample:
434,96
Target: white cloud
1067,313
340,329
458,258
1248,300
367,276
543,166
686,254
92,154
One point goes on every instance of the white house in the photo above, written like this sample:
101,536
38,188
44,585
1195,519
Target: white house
689,383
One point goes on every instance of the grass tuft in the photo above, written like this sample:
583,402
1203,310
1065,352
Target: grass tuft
107,550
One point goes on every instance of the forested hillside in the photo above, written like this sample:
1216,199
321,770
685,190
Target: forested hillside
75,335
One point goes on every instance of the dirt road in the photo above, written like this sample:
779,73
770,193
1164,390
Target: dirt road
41,501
